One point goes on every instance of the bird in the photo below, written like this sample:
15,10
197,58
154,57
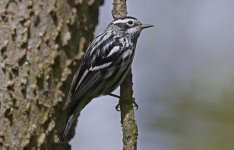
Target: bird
105,64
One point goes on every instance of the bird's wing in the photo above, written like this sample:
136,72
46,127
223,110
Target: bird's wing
94,64
89,80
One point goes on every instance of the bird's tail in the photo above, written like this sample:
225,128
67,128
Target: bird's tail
71,118
72,115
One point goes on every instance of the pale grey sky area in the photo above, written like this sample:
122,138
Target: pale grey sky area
183,80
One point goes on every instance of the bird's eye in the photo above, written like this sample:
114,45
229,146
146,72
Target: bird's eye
130,23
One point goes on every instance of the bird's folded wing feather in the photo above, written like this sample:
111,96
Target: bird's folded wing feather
90,80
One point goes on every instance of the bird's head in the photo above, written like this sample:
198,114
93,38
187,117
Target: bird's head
128,26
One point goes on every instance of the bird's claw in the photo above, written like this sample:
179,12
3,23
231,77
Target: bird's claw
134,104
117,107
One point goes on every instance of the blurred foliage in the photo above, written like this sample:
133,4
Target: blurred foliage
195,123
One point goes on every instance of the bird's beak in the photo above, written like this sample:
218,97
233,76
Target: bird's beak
144,26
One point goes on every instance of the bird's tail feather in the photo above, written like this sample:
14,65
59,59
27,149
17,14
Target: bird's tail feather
69,122
71,118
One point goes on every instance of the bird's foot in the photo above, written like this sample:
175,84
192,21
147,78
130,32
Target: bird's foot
132,100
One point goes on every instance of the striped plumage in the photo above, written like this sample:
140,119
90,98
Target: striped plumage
105,65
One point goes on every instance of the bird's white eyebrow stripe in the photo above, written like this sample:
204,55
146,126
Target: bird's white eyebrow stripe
123,20
113,50
101,66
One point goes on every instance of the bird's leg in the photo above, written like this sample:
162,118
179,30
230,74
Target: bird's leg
117,107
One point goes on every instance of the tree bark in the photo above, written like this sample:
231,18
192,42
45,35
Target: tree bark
129,126
41,43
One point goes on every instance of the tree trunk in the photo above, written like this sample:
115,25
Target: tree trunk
41,43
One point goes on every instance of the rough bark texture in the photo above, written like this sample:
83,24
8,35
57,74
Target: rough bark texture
41,43
129,126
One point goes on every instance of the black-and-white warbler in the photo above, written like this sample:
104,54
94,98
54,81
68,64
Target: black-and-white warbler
105,65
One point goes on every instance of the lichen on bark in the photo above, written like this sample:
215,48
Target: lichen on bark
41,43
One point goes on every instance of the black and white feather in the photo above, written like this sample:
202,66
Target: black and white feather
105,65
